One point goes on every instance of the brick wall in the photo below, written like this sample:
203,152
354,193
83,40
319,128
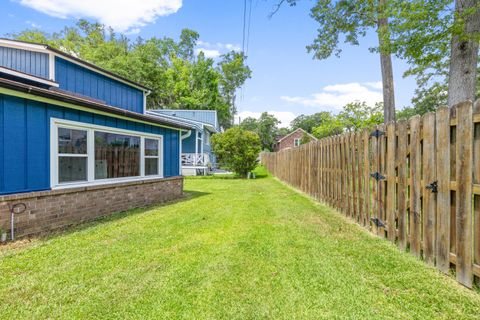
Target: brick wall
289,142
55,209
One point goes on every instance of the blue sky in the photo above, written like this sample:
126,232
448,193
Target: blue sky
285,79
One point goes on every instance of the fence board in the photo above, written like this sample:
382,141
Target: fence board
443,195
390,166
366,177
429,197
415,187
402,184
464,194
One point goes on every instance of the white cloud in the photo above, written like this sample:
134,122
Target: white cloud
375,85
219,47
285,117
337,95
122,15
209,53
33,24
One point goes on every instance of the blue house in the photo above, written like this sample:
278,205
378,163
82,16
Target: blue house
197,155
69,128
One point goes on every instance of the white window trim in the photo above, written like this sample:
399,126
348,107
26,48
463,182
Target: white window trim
56,123
295,142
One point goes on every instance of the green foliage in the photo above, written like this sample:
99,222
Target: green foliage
354,116
237,149
308,122
350,19
234,72
179,78
330,127
421,34
305,139
266,127
358,115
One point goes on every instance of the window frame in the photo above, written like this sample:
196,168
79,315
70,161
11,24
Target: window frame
297,140
56,123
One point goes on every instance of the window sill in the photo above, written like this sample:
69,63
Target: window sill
102,182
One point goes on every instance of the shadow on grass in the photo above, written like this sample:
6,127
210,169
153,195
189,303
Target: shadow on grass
81,226
260,173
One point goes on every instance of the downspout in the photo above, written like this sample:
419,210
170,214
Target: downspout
145,95
183,137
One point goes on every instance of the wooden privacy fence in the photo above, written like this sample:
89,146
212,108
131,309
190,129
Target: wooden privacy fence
414,182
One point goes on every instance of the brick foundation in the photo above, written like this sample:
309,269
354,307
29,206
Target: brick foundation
55,209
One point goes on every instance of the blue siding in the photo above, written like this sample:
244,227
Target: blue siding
25,142
188,144
75,78
34,63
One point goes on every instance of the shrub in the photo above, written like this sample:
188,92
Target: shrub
237,150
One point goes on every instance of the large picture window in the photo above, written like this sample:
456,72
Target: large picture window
90,154
116,155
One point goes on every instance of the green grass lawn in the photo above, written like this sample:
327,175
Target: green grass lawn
233,249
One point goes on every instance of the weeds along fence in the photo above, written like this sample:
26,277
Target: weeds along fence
415,182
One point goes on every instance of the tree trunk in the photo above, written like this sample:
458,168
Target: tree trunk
386,65
464,56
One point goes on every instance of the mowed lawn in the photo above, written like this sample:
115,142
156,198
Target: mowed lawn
232,249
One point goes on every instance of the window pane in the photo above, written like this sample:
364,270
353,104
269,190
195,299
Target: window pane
151,166
116,155
151,147
72,141
72,169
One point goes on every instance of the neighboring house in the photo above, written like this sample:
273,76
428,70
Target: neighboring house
197,155
292,140
76,141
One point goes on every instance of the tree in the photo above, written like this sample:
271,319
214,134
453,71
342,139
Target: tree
308,122
430,35
237,150
462,76
305,139
266,127
358,115
354,116
352,19
234,72
329,127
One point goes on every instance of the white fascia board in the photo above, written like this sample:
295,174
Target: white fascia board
28,77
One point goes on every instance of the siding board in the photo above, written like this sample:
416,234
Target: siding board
75,78
34,63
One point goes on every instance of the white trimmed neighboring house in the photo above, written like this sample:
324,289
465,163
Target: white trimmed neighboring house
196,154
292,140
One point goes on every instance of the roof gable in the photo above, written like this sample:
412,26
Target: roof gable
295,131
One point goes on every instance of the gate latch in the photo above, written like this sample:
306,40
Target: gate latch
377,133
378,222
377,176
433,186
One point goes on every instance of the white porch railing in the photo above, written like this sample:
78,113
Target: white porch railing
195,159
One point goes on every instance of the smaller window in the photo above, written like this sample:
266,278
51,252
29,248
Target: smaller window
152,157
72,155
296,142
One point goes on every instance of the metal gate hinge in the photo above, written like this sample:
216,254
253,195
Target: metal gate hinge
433,186
378,222
377,133
377,176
